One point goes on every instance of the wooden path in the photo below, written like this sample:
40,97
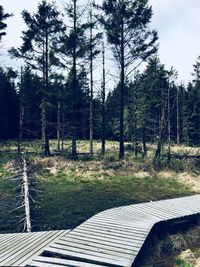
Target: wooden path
115,237
19,249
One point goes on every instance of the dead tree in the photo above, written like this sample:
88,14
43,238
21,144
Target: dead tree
23,174
26,193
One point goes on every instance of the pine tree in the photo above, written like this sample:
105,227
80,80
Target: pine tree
126,24
72,48
44,28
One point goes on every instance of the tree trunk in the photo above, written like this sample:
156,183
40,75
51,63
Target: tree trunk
169,125
177,118
74,105
58,125
161,131
91,87
21,117
144,141
103,102
47,148
26,194
45,140
62,134
121,138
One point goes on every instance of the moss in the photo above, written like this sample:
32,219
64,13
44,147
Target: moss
182,263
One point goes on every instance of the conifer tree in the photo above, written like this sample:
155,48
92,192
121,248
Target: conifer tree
73,48
44,28
127,27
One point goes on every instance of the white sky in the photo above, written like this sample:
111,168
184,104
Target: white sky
177,23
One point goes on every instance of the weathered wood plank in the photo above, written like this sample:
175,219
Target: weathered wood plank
38,248
116,262
22,247
60,262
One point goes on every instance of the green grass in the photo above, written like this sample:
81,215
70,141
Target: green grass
80,188
66,202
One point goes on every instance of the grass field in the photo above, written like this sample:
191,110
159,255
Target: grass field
68,192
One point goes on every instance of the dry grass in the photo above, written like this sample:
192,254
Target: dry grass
173,250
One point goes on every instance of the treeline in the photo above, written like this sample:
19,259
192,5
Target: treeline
53,96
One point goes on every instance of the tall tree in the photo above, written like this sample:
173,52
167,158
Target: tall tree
72,49
93,42
127,26
44,28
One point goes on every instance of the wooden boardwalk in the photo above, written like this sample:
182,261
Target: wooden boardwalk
115,237
19,249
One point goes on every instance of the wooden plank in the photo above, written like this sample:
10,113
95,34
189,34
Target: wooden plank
110,232
25,246
115,241
88,250
17,246
22,248
115,238
37,249
134,228
160,216
115,245
115,227
61,262
92,246
90,258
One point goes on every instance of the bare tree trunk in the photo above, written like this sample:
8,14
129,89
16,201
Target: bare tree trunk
84,124
26,194
135,141
47,149
162,125
45,140
74,106
58,125
43,126
91,86
103,102
169,124
144,141
21,117
177,118
62,134
121,138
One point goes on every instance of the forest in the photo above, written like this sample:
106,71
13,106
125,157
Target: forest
54,96
114,139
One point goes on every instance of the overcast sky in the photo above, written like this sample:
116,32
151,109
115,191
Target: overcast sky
177,23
